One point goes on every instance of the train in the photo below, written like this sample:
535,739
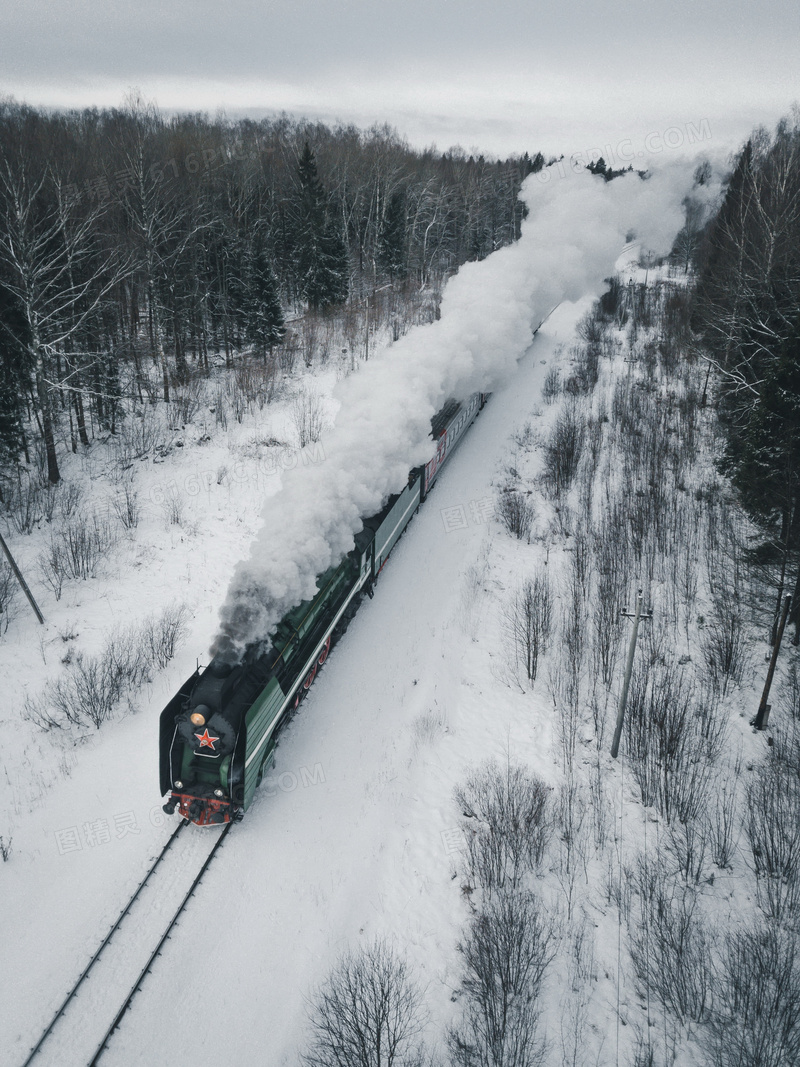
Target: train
217,735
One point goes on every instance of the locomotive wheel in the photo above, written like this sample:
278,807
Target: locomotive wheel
312,674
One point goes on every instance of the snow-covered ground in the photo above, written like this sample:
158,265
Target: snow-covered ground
356,832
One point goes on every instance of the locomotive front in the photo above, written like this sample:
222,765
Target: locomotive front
199,760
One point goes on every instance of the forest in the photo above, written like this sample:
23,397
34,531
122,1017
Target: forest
138,251
746,322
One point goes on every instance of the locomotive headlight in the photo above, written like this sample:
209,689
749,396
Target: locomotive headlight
218,793
179,785
197,719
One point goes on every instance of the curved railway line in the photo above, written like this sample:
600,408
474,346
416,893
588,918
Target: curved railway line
84,1023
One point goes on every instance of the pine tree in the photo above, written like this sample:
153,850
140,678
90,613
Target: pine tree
322,263
265,325
392,243
336,265
764,457
15,377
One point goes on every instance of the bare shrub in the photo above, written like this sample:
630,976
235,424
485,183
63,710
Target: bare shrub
610,553
91,688
163,634
220,407
723,825
688,843
551,386
664,743
529,623
562,451
254,384
511,810
24,506
571,811
593,326
587,368
309,335
126,506
724,645
76,551
70,499
51,567
173,506
429,726
308,417
515,513
669,946
508,947
138,436
369,1013
287,352
186,402
755,1022
599,807
582,972
565,687
772,825
8,595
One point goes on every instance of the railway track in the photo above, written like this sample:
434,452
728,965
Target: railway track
84,1023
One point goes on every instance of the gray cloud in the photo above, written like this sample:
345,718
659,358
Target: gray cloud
450,70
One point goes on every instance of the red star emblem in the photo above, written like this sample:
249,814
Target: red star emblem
206,740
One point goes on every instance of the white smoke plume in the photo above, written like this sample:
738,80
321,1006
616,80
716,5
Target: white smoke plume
574,232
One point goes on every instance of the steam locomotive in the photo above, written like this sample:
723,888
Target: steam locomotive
218,733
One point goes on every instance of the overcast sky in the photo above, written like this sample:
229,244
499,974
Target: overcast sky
503,76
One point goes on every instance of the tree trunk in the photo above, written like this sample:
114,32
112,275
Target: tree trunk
80,416
53,473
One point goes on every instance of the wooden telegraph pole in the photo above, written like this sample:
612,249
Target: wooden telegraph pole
623,700
20,579
762,715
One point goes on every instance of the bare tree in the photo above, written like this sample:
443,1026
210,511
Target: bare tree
772,825
512,824
506,953
368,1013
562,451
529,623
308,415
669,946
755,1022
53,269
515,512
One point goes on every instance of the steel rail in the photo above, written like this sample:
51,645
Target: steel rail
34,1051
137,984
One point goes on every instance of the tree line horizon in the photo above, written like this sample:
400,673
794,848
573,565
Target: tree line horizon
135,245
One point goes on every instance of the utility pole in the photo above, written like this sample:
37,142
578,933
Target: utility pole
762,715
623,700
20,579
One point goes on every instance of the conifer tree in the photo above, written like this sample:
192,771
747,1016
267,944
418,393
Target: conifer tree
392,246
321,251
265,322
14,377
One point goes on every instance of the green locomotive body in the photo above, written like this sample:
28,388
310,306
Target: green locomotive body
218,733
